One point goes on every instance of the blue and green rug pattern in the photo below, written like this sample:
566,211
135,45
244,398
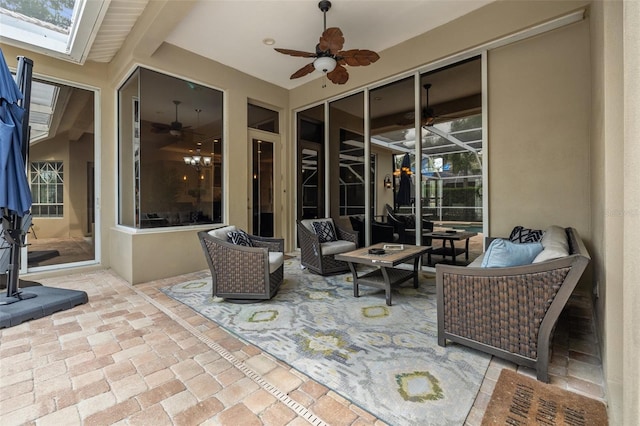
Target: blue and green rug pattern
384,359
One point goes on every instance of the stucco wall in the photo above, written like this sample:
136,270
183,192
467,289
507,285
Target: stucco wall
607,141
539,110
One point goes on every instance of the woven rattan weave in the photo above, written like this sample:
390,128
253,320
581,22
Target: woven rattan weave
241,273
509,312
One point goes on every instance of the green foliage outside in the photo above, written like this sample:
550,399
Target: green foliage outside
51,11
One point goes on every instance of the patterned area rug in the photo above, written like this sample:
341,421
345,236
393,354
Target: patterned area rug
385,359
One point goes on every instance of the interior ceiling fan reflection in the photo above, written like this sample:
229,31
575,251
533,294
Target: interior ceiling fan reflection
429,116
175,128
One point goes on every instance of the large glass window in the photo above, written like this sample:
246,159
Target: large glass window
348,170
311,192
352,174
425,139
262,118
47,186
170,152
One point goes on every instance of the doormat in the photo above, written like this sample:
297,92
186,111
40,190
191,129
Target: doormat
521,400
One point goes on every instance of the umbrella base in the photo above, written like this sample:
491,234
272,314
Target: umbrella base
41,302
7,300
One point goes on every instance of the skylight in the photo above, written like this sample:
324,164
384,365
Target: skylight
43,100
59,28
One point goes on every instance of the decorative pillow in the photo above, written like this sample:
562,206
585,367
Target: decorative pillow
555,244
325,231
503,253
521,234
240,238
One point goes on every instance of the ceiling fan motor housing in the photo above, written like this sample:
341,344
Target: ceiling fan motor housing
324,5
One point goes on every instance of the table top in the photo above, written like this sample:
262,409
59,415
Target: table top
443,235
394,254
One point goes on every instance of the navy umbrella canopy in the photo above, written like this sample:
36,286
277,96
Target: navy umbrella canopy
403,197
15,194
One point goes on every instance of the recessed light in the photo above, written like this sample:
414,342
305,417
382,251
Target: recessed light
269,41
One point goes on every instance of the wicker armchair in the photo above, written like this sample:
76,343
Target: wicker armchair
509,312
317,256
243,274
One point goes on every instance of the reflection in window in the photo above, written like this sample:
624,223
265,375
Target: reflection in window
310,146
453,169
352,174
47,186
170,152
262,119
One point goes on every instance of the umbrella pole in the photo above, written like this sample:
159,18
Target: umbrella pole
14,236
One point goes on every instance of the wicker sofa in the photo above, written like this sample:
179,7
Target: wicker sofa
240,273
509,312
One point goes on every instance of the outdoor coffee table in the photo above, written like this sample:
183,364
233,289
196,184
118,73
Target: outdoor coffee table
451,236
387,274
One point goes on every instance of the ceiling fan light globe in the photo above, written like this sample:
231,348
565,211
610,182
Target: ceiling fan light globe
324,64
174,132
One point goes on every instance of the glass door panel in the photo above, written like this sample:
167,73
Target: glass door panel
61,174
310,186
263,188
348,171
392,138
452,143
311,199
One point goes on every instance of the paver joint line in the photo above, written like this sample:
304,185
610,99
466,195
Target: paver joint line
283,397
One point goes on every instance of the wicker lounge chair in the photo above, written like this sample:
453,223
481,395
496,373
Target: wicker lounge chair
240,273
319,257
509,312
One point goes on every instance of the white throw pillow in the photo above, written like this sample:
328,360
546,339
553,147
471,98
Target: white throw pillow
221,233
555,244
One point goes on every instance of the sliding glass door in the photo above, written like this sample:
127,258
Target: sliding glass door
311,184
426,128
62,164
264,206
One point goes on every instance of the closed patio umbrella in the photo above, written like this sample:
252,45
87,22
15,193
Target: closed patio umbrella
15,194
403,197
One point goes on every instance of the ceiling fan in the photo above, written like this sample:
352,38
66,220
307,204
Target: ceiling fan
446,111
427,116
329,56
174,129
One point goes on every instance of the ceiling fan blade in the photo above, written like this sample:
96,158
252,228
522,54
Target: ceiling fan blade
307,69
298,53
339,75
358,57
159,128
331,40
